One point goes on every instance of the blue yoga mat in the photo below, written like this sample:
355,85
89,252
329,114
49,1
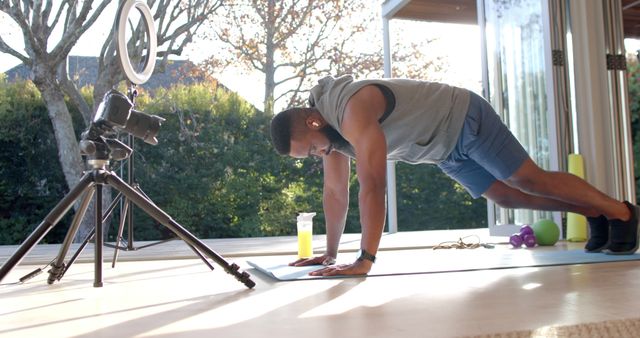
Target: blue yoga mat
438,261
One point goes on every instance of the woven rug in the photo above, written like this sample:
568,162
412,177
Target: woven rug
624,328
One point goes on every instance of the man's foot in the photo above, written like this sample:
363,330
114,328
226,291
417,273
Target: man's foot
624,234
598,234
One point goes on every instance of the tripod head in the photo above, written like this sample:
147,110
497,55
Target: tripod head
101,149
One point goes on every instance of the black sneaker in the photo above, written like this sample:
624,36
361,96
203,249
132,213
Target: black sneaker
598,234
624,235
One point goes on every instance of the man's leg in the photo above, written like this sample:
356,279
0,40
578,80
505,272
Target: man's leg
488,160
567,188
509,197
513,198
575,194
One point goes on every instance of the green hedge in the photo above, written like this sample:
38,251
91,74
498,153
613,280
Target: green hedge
31,180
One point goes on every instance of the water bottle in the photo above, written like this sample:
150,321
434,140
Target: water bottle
305,234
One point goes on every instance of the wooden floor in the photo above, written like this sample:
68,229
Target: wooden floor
161,297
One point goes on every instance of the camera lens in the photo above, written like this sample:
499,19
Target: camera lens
144,126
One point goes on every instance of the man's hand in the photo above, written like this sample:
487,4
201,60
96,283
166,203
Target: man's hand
356,268
324,260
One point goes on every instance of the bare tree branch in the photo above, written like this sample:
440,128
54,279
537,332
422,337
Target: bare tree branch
26,9
7,49
287,33
56,19
20,17
46,12
288,37
176,23
36,18
77,28
72,91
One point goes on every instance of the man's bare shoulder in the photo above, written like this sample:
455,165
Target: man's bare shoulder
369,96
367,104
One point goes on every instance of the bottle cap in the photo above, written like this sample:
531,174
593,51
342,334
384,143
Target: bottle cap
305,216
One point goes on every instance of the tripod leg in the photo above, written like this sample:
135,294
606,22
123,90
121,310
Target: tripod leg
123,217
130,224
47,224
129,216
58,266
87,239
78,252
160,216
98,240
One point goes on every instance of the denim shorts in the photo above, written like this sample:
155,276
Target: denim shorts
486,150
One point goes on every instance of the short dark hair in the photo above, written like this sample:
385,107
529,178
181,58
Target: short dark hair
283,126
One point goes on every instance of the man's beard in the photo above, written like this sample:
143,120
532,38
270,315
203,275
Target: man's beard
335,139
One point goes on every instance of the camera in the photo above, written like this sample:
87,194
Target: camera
115,111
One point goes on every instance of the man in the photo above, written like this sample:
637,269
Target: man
422,122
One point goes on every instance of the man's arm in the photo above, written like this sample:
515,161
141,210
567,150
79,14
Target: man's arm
335,198
361,128
335,201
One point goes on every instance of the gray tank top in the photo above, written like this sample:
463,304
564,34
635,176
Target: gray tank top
422,127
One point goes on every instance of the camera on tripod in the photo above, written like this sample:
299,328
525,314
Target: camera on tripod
100,144
116,111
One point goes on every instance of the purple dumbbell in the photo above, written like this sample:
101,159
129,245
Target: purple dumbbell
525,236
515,240
529,240
526,230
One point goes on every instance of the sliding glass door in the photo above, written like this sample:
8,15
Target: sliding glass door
516,83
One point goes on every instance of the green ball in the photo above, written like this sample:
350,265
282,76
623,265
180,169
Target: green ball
546,231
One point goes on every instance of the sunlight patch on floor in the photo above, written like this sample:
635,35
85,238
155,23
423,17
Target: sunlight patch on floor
245,309
368,293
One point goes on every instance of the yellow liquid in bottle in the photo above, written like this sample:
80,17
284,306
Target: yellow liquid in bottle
305,249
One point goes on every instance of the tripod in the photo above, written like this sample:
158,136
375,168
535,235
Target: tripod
101,149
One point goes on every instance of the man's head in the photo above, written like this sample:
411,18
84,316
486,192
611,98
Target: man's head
301,132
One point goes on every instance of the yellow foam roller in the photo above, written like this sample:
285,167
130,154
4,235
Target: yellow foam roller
576,224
